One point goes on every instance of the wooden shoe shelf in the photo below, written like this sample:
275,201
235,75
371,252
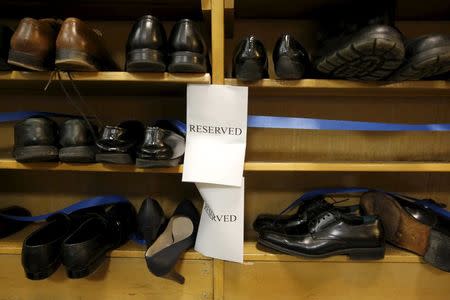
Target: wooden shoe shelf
281,164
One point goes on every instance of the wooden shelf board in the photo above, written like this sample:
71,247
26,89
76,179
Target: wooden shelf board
11,164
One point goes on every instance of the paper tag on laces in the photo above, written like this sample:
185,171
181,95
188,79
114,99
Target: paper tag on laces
216,126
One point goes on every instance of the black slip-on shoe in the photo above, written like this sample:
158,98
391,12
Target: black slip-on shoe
84,251
250,60
5,39
290,59
77,142
426,56
150,221
8,226
35,140
146,46
188,52
117,144
331,233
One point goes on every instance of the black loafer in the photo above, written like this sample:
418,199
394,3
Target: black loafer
35,140
77,142
250,60
117,144
426,56
146,46
188,52
150,221
161,148
290,59
5,38
85,249
8,226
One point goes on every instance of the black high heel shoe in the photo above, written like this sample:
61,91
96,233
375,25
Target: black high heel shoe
150,221
177,238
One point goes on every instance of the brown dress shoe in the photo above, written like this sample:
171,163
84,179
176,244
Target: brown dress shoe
81,48
33,44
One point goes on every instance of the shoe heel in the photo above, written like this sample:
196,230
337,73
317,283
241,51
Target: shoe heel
26,60
367,253
145,60
286,68
175,276
75,60
438,251
187,62
249,71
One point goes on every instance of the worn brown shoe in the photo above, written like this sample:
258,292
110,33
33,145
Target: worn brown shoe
81,48
33,44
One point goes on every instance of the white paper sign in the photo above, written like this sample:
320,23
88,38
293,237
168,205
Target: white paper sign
216,134
221,230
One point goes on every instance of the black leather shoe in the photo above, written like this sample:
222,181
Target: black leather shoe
188,52
5,38
77,141
85,249
161,148
332,233
360,51
426,56
250,60
117,144
411,226
298,222
146,46
41,251
178,237
35,140
8,226
290,59
150,221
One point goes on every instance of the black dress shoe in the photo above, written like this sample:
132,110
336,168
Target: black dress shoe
8,226
361,46
188,52
161,148
332,233
85,249
150,221
178,237
5,38
298,222
411,226
77,141
117,144
146,46
290,59
425,56
41,251
250,60
35,140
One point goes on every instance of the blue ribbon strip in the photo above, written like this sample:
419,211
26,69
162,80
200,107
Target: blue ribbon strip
21,115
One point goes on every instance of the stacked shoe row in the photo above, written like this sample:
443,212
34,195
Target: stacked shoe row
73,45
81,240
371,52
321,229
39,139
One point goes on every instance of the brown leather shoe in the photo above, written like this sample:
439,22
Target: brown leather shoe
33,44
81,48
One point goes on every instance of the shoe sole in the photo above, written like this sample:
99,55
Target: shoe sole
77,154
366,57
26,61
187,62
353,253
404,231
145,60
289,69
114,158
74,60
36,153
146,163
426,64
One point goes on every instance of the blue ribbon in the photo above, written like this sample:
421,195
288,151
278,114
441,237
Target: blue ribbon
21,115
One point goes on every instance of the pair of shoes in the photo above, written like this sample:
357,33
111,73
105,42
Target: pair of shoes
5,38
290,59
320,229
79,241
157,145
38,139
167,239
149,51
413,225
8,226
44,44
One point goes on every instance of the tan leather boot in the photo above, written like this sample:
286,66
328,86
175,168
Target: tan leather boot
33,44
81,48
